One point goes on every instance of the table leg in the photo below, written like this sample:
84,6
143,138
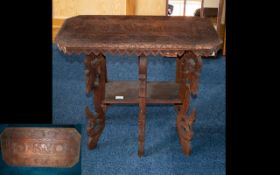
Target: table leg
142,102
105,70
95,81
178,70
189,68
178,78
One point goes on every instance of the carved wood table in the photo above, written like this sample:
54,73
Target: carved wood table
184,38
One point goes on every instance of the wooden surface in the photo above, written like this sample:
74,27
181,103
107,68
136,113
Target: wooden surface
142,97
96,77
219,17
184,38
130,7
158,92
56,25
150,7
224,45
202,9
190,68
41,147
137,35
66,8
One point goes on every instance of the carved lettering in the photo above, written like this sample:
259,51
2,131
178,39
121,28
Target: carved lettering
18,147
57,148
42,148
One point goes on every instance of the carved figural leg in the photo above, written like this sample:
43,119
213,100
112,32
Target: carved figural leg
188,66
95,82
142,102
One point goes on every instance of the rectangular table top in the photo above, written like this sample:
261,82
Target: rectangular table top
137,35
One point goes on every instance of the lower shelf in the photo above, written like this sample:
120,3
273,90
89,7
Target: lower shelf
126,92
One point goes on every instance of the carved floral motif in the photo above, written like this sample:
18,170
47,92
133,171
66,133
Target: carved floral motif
95,82
190,72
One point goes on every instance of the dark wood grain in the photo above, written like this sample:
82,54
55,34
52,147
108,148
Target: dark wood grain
148,35
183,38
158,92
143,61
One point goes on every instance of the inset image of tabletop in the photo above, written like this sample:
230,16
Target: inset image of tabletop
40,149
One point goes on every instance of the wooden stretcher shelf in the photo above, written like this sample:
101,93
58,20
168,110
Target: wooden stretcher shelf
158,92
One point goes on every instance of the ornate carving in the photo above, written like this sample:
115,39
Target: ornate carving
92,71
185,132
95,127
187,38
137,35
192,68
56,147
188,68
95,81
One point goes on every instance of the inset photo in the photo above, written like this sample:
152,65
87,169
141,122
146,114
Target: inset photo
43,149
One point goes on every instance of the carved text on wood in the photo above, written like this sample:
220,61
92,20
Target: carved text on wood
44,147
